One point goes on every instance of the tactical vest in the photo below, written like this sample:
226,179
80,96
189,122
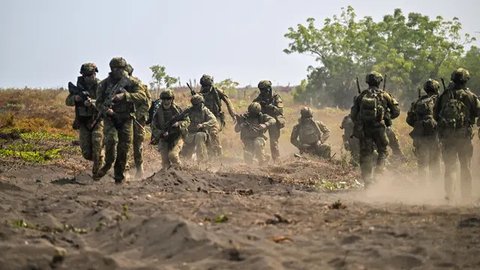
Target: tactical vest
86,113
213,101
247,132
197,117
308,132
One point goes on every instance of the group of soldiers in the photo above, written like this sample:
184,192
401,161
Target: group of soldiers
442,128
112,116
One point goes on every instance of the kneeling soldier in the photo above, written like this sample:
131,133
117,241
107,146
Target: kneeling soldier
309,136
252,126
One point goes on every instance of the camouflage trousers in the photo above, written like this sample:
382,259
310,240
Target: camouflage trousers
274,135
117,144
169,151
427,151
91,143
318,149
353,146
215,147
196,142
394,143
373,137
254,148
138,138
457,145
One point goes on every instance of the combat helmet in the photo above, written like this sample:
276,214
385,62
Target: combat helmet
118,62
254,108
431,86
264,84
460,75
374,78
197,99
306,112
167,94
129,69
206,80
88,69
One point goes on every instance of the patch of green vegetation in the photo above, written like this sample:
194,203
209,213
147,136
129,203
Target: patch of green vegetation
31,156
40,136
23,224
332,186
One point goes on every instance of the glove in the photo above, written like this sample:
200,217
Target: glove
118,97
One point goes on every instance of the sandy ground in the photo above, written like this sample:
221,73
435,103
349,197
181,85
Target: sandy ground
231,217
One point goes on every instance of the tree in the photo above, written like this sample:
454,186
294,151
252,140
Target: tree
471,61
409,49
160,77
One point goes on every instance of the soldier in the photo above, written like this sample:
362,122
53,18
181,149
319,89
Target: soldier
116,96
252,126
369,112
213,101
202,121
455,112
85,113
272,105
424,133
309,136
350,143
168,128
139,123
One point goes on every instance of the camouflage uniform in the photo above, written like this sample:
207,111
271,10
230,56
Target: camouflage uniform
455,112
424,133
90,139
350,143
142,107
213,101
309,136
370,110
118,93
272,105
252,126
202,121
168,138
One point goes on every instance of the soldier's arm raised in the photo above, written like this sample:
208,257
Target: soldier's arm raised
228,102
325,131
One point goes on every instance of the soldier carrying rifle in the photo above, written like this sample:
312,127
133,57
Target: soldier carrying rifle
83,97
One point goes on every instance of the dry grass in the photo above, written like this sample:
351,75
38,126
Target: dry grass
33,110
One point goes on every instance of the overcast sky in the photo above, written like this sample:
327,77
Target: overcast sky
44,42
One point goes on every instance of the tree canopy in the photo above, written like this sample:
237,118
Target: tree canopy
408,48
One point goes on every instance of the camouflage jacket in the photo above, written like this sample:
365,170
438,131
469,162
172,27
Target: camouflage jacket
161,118
213,100
142,105
200,116
133,93
308,131
271,105
247,125
80,109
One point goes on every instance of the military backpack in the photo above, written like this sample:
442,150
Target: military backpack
371,108
453,112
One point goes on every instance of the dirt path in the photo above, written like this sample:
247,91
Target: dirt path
227,218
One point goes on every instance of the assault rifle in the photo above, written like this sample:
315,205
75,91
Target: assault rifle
79,91
169,132
242,119
192,92
358,86
384,82
108,104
